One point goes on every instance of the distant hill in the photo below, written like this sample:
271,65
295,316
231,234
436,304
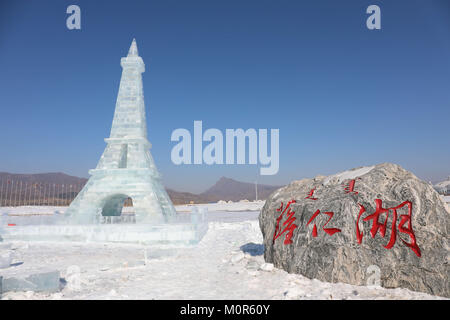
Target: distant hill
62,188
44,178
224,189
39,188
179,197
229,189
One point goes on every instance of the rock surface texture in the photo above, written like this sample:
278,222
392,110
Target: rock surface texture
370,225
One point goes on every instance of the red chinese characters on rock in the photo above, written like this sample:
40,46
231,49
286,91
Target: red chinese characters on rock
349,188
377,226
404,225
310,194
289,223
330,231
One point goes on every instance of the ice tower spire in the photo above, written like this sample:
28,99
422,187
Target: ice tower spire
129,117
126,168
133,51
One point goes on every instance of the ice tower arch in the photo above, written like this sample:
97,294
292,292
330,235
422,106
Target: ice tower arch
126,167
112,204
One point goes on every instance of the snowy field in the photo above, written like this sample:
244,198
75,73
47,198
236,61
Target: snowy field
212,207
228,263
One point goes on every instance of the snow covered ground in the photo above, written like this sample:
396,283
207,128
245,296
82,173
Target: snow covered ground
228,263
212,207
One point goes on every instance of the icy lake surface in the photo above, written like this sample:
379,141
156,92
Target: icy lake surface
228,263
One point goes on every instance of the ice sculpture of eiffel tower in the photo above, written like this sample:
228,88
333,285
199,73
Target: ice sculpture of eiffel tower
126,168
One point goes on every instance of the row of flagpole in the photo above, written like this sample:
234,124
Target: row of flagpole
19,193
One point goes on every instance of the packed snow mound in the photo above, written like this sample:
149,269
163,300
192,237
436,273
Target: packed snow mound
348,175
443,186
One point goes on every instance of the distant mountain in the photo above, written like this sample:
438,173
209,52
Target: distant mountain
44,178
229,189
38,189
178,197
224,189
61,188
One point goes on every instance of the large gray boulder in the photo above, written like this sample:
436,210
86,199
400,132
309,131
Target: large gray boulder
318,235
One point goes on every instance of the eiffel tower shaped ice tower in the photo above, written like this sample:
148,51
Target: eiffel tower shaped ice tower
126,168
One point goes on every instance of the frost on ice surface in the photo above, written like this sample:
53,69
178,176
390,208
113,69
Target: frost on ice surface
5,259
37,282
185,228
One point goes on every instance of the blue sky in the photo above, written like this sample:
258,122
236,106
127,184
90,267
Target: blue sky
342,95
